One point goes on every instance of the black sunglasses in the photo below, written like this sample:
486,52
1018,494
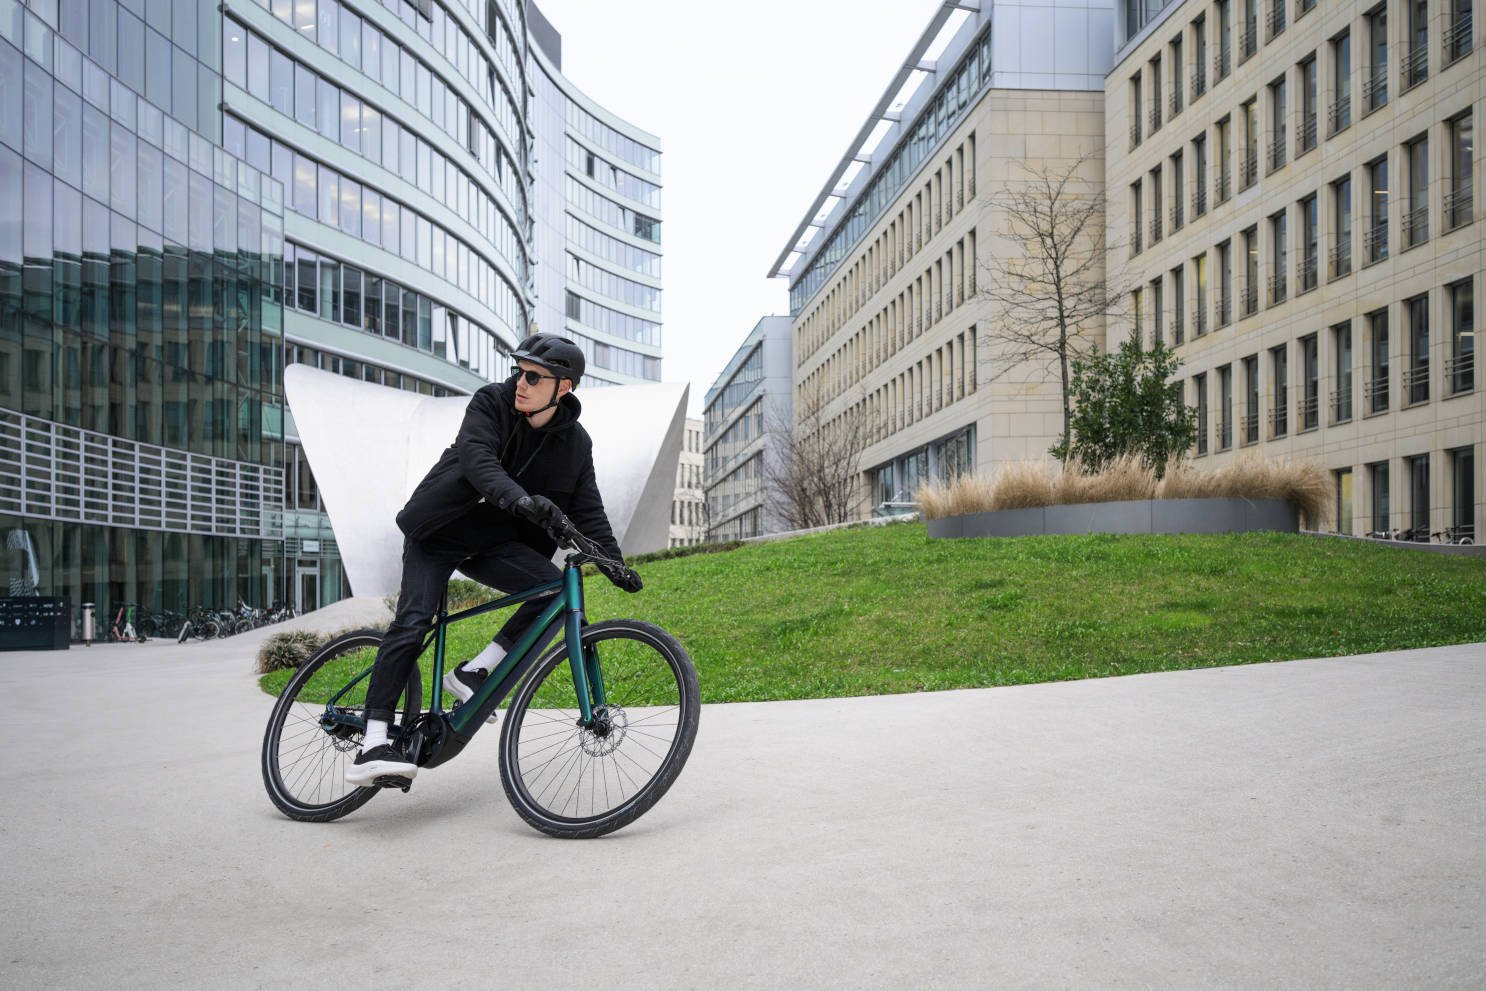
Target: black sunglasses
532,378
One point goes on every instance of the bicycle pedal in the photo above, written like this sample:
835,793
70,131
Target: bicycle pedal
393,781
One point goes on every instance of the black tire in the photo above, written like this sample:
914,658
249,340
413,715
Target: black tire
304,766
570,782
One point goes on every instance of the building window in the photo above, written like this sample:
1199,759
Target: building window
1154,70
1224,131
1178,192
1375,244
1416,210
1248,168
1305,138
1459,201
1178,305
1136,105
1250,425
1340,116
1341,349
1199,56
1343,500
1310,375
1225,407
1248,40
1415,67
1378,361
1419,495
1461,370
1279,411
1199,175
1416,379
1199,317
1458,35
1279,111
1136,316
1279,249
1305,271
1225,283
1155,186
1375,81
1463,493
1137,217
1176,76
1248,299
1158,333
1224,11
1199,388
1377,475
1341,231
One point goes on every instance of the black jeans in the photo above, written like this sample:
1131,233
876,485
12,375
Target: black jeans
426,567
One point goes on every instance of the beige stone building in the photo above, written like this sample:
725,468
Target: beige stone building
688,506
886,269
1294,191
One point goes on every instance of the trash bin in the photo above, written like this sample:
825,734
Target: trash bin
89,624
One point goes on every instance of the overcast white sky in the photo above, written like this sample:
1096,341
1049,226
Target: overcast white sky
754,104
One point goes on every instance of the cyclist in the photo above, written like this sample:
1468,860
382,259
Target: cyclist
520,462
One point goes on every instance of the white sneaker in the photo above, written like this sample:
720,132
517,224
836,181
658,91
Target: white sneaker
463,684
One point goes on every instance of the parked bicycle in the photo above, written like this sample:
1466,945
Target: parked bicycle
1462,534
598,728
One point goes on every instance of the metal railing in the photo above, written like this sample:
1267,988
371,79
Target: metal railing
1303,7
1225,184
1277,151
1341,256
1279,417
1135,244
1135,133
1176,214
1155,226
1305,275
1224,64
1307,412
1278,288
1307,136
1199,320
1276,19
1174,98
1416,382
1225,307
1416,226
1248,426
1199,80
1248,42
1199,201
1248,168
1339,117
1460,372
1248,300
1375,87
1155,117
1341,405
1376,390
1457,39
1458,205
1415,68
1375,242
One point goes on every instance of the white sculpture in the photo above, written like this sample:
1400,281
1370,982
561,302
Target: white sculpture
370,445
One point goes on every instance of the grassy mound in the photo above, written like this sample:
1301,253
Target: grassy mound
884,609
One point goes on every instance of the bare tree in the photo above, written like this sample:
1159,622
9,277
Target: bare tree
1051,288
814,471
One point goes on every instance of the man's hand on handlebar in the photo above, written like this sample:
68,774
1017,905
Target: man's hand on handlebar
540,510
623,576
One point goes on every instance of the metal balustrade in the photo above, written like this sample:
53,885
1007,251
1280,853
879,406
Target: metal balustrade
1307,412
1341,405
1458,205
1307,133
1248,301
1416,226
1415,67
1276,19
1416,382
1341,258
1377,393
1460,372
1248,168
1375,87
1277,151
1339,117
1305,275
1457,39
1279,417
1278,288
1375,242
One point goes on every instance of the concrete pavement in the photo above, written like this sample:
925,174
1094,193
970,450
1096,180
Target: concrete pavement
1308,824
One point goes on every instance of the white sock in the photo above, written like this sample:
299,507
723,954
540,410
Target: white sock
487,659
376,734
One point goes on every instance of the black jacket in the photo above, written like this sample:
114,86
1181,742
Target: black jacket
497,458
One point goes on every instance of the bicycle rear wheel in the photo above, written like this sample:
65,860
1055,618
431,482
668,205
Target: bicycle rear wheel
573,782
304,761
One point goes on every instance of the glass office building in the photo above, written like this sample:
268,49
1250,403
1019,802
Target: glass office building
192,195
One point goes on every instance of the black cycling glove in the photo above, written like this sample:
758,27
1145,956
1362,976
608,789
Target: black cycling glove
623,576
540,510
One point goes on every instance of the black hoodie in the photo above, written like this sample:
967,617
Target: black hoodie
497,458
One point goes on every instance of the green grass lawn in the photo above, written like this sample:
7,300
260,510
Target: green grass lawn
885,609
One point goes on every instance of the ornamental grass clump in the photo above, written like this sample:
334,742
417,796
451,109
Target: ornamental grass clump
1029,485
289,649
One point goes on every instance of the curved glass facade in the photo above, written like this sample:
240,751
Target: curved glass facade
597,228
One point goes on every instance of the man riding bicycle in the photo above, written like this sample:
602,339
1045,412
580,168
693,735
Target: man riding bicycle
519,464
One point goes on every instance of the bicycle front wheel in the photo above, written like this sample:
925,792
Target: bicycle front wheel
304,758
572,781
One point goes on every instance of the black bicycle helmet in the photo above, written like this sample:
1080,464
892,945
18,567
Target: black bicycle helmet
556,354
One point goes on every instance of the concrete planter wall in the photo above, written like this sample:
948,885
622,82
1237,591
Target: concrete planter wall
1142,516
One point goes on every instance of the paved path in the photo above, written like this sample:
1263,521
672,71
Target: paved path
1310,824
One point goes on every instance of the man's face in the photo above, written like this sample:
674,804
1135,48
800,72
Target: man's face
530,398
